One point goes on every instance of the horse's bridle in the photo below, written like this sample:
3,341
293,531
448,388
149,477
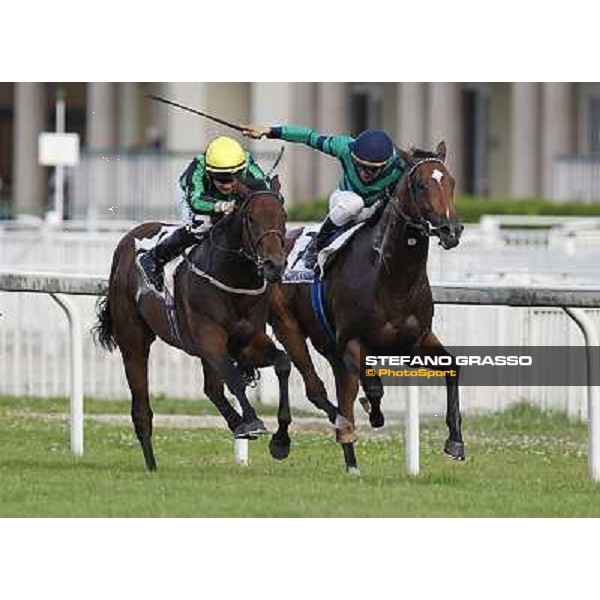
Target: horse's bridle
253,256
419,223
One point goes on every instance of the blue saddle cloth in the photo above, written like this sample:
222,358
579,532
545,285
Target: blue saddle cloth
316,296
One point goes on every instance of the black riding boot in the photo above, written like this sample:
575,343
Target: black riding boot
319,242
171,246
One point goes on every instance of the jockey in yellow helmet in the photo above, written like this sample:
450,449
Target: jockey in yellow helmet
208,189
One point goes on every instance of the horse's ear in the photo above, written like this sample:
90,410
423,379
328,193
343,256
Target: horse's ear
403,153
441,150
275,184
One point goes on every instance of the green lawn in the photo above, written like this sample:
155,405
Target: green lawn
521,463
93,406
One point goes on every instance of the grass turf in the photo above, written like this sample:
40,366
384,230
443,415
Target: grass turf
521,463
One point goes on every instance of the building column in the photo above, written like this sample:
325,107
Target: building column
129,117
411,107
305,158
186,132
30,185
101,125
101,128
524,127
557,129
333,118
445,123
271,104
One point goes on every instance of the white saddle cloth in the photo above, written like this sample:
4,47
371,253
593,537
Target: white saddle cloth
296,271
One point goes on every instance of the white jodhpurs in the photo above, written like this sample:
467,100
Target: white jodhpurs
197,223
346,207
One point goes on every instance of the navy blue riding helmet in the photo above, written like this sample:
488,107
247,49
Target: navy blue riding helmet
373,147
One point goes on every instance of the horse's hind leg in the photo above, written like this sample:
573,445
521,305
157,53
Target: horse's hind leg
135,360
454,446
280,443
373,389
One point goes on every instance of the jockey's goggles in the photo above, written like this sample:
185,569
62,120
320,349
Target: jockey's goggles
369,168
226,177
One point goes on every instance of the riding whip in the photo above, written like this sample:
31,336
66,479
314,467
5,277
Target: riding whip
276,163
196,112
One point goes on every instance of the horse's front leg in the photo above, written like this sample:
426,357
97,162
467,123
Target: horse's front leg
211,345
454,446
262,352
287,330
214,389
346,374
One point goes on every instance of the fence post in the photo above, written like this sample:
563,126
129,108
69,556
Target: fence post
76,371
592,340
240,447
411,429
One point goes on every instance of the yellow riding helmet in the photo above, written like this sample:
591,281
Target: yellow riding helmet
225,155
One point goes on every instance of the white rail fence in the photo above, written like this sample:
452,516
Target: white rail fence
33,336
570,300
576,178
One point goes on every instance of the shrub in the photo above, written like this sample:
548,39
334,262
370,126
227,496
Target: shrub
470,208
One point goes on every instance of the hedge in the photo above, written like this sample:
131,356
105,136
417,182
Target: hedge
470,209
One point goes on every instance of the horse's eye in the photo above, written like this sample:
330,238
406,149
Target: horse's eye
420,187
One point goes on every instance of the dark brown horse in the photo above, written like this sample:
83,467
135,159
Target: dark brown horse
220,310
378,300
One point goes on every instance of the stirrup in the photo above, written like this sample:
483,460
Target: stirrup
158,281
152,270
311,255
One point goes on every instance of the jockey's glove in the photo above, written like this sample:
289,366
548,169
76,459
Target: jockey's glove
256,132
224,206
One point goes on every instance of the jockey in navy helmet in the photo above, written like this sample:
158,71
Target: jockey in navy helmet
371,168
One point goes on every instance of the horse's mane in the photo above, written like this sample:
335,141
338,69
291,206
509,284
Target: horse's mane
254,184
419,154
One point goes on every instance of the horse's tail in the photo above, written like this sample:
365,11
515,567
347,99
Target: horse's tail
103,331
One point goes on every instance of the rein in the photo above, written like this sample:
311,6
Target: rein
252,256
419,223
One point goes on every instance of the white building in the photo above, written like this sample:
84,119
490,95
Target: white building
503,138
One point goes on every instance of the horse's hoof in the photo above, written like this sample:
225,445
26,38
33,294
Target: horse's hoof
244,436
353,471
454,450
279,448
376,419
241,432
364,402
256,427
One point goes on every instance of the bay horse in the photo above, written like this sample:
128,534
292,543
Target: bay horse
220,310
378,300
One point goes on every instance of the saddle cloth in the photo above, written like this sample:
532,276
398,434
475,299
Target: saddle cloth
296,271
